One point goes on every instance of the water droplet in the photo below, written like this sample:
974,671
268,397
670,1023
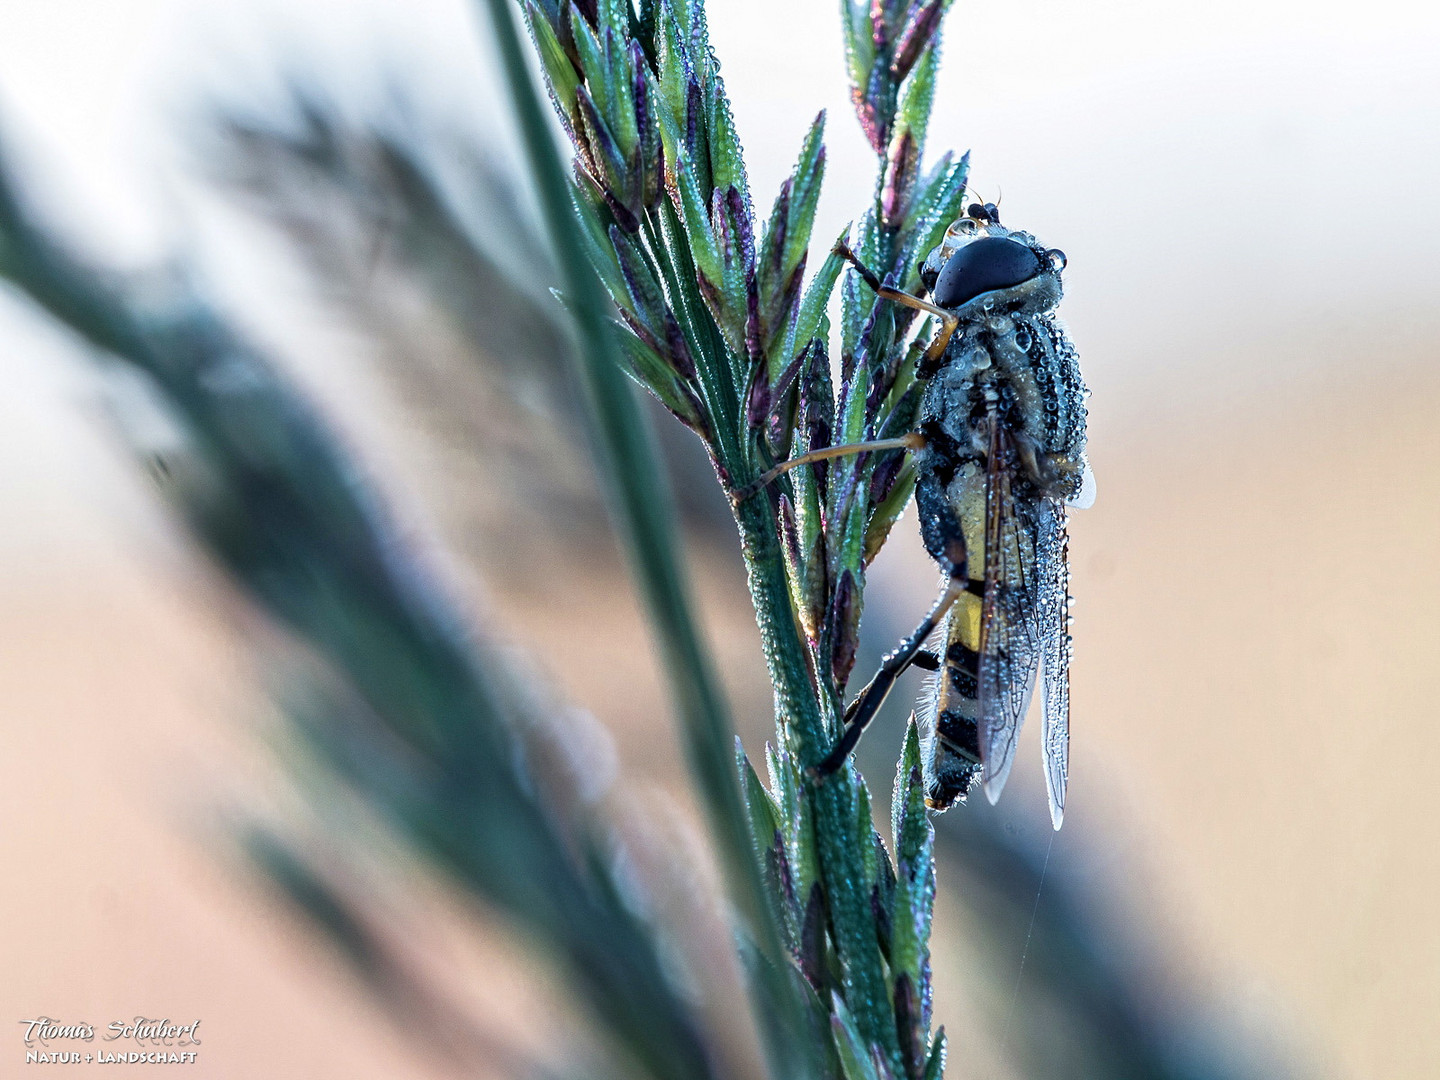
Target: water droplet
1022,340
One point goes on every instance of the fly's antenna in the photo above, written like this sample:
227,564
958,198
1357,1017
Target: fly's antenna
982,209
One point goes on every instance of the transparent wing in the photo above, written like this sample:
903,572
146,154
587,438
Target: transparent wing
1009,632
1052,607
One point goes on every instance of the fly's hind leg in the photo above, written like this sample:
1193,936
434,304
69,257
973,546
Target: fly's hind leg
925,660
909,651
930,361
945,540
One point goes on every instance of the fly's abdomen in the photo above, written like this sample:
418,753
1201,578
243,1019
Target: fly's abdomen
952,718
953,761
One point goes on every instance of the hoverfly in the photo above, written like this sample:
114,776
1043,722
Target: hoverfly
1000,455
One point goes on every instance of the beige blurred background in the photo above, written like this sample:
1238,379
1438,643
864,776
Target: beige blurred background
1244,191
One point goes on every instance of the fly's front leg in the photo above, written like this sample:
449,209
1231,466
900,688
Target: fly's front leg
909,651
935,352
912,441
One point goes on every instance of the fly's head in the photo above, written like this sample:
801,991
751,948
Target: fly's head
982,264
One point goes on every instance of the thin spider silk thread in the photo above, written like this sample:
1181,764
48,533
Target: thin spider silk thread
1025,952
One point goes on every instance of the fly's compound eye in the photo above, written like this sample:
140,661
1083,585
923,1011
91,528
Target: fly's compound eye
989,263
1056,258
961,231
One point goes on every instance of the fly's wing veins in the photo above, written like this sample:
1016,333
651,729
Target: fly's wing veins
1053,618
1009,634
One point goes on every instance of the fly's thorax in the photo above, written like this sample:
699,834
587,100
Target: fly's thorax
1060,426
1008,357
955,397
1041,366
1022,368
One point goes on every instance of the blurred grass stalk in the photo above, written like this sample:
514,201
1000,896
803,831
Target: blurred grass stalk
640,499
639,491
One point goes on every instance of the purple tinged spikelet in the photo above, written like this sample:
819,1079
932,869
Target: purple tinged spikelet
740,214
724,227
900,169
844,628
757,399
677,348
781,421
779,230
810,950
883,478
611,169
875,125
755,332
647,149
694,118
918,33
640,330
879,27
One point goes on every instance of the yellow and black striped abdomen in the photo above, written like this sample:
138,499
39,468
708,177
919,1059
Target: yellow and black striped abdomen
953,763
954,713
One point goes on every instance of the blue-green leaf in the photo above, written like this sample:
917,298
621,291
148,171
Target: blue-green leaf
764,814
855,1059
727,158
560,73
935,1064
914,864
811,321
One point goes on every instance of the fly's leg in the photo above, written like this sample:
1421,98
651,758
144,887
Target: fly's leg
945,540
864,708
930,361
912,441
925,660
